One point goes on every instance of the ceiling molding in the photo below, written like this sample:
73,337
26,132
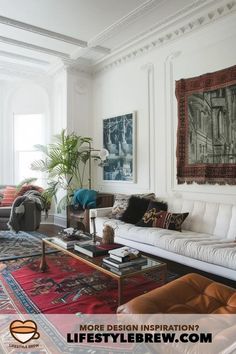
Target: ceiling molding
124,21
190,9
80,52
41,31
160,38
79,65
101,49
34,47
23,57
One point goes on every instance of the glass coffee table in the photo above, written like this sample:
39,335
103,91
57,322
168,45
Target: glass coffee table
152,265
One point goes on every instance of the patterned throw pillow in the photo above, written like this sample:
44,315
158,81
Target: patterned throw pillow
154,206
9,195
121,202
163,219
120,205
155,217
171,221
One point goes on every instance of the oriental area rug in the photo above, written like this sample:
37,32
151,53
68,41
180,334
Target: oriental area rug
68,287
22,244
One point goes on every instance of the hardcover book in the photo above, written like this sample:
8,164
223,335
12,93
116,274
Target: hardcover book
123,271
94,250
135,262
69,242
124,254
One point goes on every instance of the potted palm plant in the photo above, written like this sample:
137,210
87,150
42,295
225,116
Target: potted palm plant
65,162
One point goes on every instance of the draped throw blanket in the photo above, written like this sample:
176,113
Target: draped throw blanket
18,208
85,198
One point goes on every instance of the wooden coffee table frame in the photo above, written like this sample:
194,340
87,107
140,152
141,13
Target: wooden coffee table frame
96,263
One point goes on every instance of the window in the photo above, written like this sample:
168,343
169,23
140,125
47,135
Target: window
28,131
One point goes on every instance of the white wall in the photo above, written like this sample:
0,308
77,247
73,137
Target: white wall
146,84
72,110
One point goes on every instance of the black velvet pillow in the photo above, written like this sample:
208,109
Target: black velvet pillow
154,206
135,210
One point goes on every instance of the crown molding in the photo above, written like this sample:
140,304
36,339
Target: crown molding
124,21
80,65
34,47
42,31
190,9
24,58
161,37
79,53
101,49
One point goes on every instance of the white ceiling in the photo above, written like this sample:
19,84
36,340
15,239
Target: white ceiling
41,33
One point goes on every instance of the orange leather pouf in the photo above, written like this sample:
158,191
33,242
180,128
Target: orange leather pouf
192,293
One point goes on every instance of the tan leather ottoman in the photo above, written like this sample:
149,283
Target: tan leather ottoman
191,293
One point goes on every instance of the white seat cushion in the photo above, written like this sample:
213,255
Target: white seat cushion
192,244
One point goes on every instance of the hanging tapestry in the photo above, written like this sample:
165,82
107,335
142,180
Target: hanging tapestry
206,136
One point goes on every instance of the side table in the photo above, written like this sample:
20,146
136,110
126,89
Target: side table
74,217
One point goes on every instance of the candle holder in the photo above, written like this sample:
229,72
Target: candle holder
93,218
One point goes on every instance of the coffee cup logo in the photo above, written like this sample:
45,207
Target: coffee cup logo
23,332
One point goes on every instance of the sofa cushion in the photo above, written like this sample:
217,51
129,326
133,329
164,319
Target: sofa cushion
200,246
5,212
154,207
121,202
9,195
171,221
120,205
135,210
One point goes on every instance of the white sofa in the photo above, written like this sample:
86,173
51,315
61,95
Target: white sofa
207,241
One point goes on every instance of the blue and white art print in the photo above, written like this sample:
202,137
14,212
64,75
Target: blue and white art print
119,140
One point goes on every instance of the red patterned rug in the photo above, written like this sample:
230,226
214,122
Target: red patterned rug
69,287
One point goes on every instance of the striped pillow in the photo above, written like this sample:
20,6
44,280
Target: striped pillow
9,195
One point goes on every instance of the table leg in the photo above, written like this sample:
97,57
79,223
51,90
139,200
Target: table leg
120,292
43,264
164,275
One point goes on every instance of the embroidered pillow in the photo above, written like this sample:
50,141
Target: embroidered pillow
163,219
171,221
9,195
155,206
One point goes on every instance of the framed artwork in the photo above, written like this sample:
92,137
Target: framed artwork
206,136
119,140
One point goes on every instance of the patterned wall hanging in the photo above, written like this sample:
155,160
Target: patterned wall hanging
206,136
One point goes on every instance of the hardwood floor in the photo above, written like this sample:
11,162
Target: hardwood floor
52,230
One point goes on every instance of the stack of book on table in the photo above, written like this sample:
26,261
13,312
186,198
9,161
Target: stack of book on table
94,250
68,241
124,260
